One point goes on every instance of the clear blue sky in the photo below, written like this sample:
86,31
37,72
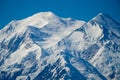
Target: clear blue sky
78,9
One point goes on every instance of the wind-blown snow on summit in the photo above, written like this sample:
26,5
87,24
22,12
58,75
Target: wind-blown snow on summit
47,47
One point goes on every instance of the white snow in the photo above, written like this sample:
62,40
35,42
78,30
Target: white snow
47,34
17,56
93,31
97,55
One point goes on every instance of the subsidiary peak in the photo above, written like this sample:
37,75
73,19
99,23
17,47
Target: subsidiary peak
105,20
102,16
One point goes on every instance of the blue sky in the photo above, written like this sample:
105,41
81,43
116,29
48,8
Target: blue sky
78,9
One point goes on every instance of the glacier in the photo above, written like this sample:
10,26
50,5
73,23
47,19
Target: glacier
47,47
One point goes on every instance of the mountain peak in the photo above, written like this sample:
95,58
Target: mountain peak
105,19
47,14
40,19
101,16
43,15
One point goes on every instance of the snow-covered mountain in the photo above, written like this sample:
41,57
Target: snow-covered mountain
47,47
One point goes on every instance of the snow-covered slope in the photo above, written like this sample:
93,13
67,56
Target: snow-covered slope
98,42
47,47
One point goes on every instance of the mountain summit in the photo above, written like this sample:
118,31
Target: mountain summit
47,47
